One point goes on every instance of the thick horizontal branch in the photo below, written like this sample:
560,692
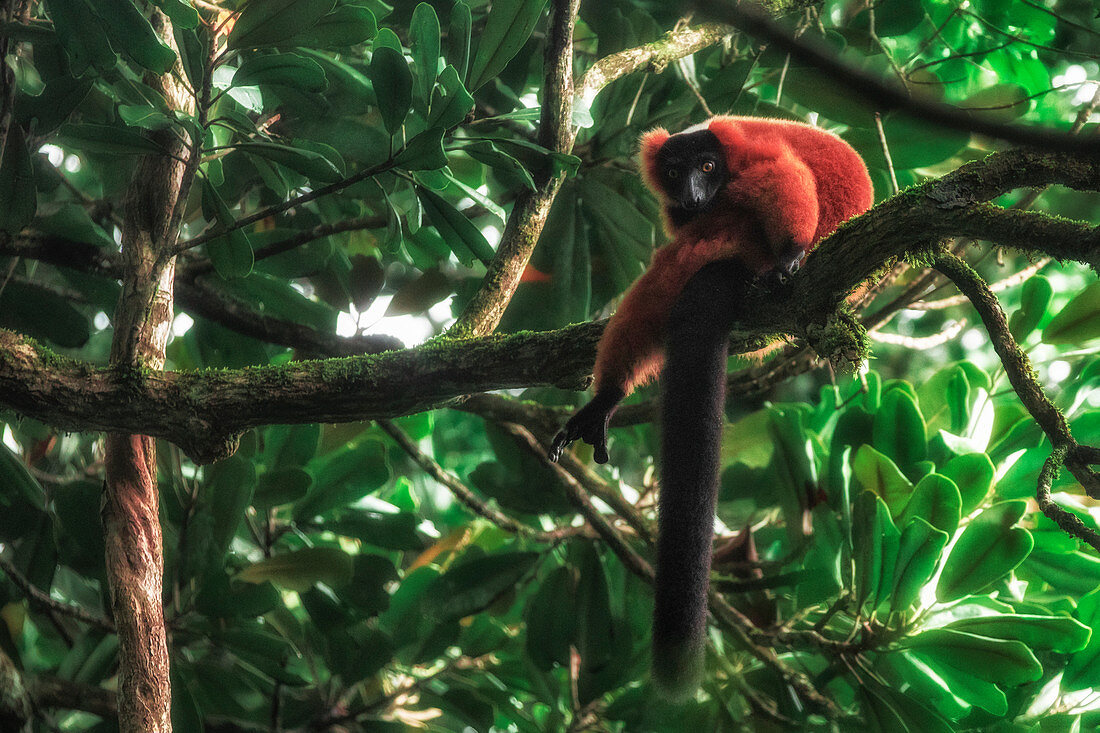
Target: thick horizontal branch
202,412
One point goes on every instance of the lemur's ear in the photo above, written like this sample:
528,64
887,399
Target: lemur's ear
651,142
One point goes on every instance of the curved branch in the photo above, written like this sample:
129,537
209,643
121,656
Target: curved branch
1067,521
884,97
43,600
531,210
1020,373
464,494
655,56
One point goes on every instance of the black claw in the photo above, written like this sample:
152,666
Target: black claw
561,442
590,425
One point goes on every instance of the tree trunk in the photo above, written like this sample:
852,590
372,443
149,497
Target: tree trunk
142,322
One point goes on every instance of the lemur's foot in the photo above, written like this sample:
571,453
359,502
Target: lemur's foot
787,264
589,425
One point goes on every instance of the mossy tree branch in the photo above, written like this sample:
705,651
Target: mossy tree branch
1021,375
532,208
202,412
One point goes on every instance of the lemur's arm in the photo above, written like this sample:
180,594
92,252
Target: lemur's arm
630,354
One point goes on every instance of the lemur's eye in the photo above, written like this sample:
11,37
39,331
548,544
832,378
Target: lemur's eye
707,167
673,173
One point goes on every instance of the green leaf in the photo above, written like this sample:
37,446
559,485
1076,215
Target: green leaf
230,254
386,38
343,477
1035,299
1078,321
192,50
985,552
81,34
875,542
367,591
281,486
1057,634
300,570
311,164
1002,102
424,41
269,22
106,139
42,314
1074,572
488,153
551,620
973,474
450,101
993,660
290,446
133,34
228,488
423,152
918,554
179,12
464,239
595,623
1083,669
18,481
486,203
281,69
392,531
935,499
346,25
899,429
420,294
472,585
875,472
458,38
902,671
18,193
913,143
272,655
144,116
965,686
392,80
53,105
506,31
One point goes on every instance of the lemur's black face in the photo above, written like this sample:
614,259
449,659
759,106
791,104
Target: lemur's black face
693,170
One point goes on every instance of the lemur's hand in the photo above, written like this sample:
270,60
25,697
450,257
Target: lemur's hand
589,425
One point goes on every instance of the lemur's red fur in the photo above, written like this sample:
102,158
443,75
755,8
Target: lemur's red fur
790,184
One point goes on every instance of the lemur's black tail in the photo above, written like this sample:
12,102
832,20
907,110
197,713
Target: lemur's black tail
692,398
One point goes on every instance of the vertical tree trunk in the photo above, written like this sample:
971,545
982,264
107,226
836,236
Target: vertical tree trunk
142,322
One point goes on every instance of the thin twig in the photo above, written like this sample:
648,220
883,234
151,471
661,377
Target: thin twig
634,562
465,495
43,600
1021,375
1004,284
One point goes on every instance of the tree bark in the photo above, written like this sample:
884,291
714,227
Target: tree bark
142,322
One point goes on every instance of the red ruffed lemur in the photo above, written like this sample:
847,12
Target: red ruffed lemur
743,200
